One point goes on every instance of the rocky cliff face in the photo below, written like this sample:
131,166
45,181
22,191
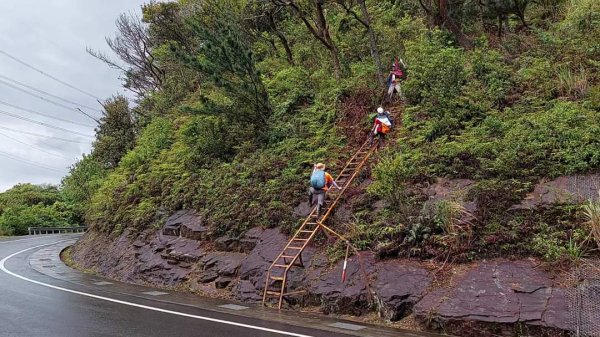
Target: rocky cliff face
490,298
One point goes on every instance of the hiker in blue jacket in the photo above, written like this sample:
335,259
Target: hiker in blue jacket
320,182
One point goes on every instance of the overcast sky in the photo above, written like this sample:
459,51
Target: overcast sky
52,35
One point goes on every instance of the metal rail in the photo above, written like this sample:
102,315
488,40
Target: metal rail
55,230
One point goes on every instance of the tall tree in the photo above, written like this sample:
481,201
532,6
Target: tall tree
226,59
365,20
439,13
134,48
316,25
115,135
266,18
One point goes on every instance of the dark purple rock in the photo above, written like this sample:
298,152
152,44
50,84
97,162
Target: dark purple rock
302,210
562,190
208,276
222,282
224,243
194,232
254,267
349,297
224,263
398,288
250,239
186,223
185,250
245,291
496,293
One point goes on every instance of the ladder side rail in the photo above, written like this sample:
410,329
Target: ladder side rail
341,192
304,245
292,239
310,217
352,158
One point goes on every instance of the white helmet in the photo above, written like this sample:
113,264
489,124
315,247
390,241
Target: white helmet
380,110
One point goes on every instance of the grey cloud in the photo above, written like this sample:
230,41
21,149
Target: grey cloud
53,35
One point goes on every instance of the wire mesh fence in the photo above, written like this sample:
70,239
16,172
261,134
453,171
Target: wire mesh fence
584,299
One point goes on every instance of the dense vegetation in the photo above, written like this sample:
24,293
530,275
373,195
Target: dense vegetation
236,99
27,205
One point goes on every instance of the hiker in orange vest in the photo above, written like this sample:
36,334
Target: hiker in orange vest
320,182
382,125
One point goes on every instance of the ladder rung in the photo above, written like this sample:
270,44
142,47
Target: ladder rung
274,293
295,292
276,278
306,231
281,265
299,239
296,248
287,256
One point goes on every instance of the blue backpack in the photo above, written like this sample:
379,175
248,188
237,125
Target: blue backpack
317,179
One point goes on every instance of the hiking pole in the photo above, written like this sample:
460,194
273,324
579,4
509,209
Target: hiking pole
345,262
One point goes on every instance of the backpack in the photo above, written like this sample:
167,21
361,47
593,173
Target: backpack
317,179
385,129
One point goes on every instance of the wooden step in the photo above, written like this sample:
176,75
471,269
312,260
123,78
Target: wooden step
274,293
295,239
306,231
276,278
295,248
281,265
288,256
298,292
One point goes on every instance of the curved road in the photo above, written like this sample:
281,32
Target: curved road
64,302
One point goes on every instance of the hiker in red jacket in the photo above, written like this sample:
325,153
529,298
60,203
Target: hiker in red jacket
382,125
394,78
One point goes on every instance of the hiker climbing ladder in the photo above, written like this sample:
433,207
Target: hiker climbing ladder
291,255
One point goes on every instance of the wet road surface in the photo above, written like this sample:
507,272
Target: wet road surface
40,296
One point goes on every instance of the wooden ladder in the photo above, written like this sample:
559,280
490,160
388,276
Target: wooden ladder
291,255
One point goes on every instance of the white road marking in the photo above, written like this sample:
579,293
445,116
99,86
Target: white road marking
241,325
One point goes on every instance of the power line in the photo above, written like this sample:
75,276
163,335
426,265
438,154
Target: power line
49,94
42,136
34,147
48,75
47,100
42,123
43,114
8,155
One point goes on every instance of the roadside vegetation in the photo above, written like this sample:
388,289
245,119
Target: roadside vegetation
237,99
27,205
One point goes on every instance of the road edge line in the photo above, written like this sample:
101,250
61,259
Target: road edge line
146,307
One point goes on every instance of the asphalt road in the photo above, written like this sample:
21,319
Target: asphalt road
35,304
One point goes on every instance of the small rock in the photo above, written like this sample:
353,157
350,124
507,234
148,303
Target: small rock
222,282
398,288
224,243
208,276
